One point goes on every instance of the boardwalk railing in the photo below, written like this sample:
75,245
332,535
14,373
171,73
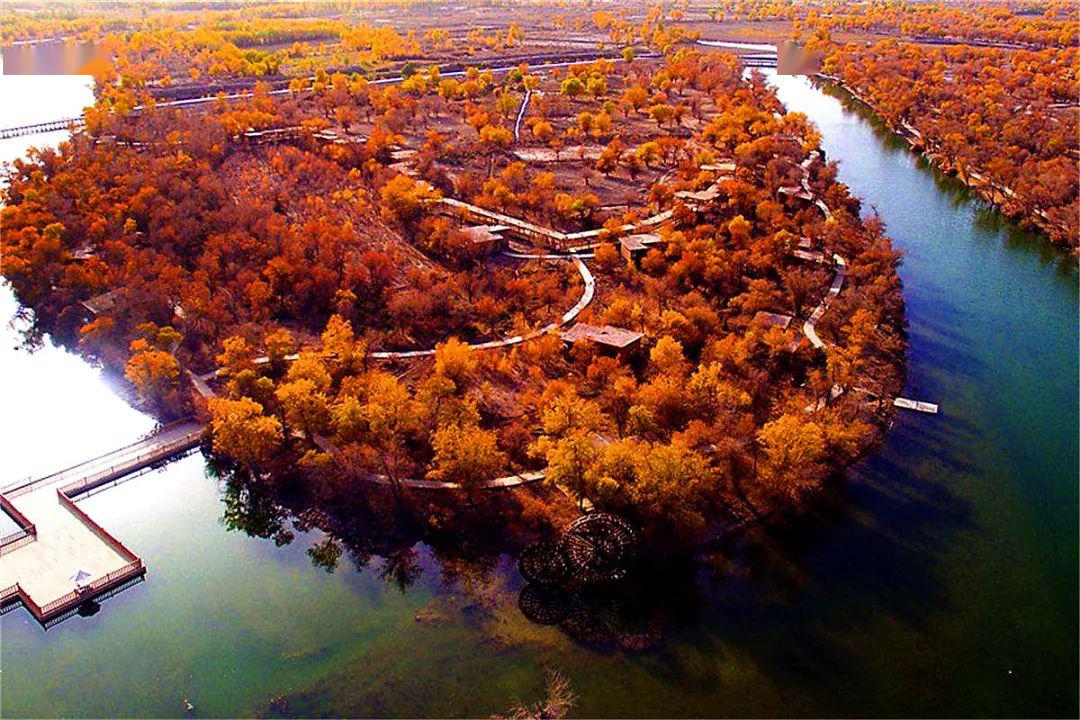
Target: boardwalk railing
43,613
50,126
166,443
133,568
76,597
27,531
118,470
9,594
15,540
15,514
127,456
115,588
105,534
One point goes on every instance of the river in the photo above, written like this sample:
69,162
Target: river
942,580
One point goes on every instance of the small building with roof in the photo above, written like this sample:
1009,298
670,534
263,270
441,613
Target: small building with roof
104,302
699,199
724,169
610,339
796,192
487,238
634,247
773,319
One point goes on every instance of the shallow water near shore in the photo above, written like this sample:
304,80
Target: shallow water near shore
940,579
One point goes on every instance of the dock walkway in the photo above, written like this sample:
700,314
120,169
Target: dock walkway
61,541
170,440
916,405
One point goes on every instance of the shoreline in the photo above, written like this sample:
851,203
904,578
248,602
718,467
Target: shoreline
972,180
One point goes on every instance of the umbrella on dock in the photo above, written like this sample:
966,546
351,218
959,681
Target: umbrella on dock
81,577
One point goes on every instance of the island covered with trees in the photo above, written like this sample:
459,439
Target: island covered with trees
424,280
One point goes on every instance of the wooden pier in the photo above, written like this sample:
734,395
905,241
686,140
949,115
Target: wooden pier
57,541
916,405
43,127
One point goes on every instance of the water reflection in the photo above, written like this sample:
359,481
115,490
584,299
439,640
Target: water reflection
602,607
986,219
60,410
368,526
779,592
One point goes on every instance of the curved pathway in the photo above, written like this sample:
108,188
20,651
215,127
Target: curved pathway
508,481
201,385
582,303
521,115
810,326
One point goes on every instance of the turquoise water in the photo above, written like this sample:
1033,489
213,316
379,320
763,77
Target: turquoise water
941,579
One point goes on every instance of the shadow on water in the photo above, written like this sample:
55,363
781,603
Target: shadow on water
987,219
939,339
789,593
787,596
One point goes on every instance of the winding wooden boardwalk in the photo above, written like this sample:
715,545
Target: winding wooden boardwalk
521,115
167,442
574,242
810,326
42,127
587,295
507,481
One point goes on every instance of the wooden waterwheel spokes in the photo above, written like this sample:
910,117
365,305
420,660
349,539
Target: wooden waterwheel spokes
545,563
599,547
591,623
543,604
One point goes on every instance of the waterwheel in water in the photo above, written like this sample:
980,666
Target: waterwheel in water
543,604
593,621
545,563
599,547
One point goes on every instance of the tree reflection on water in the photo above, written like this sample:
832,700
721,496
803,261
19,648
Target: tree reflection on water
792,573
473,561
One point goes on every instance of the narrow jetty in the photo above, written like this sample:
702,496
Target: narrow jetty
42,127
916,405
60,558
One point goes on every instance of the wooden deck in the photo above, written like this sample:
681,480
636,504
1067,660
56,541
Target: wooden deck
66,543
37,567
917,405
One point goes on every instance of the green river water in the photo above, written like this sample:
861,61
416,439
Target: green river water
942,580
